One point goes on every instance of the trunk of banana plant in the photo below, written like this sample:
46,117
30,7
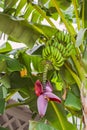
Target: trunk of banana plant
84,106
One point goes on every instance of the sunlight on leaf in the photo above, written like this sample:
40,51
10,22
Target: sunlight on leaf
6,48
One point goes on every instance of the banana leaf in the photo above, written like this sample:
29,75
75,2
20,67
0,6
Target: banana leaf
23,31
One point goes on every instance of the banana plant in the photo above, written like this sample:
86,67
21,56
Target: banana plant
50,73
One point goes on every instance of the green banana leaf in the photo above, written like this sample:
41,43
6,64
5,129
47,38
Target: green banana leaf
3,94
9,3
19,30
5,81
24,85
20,6
10,64
23,31
59,122
6,48
27,59
33,125
2,128
66,76
80,37
9,6
2,106
73,102
62,3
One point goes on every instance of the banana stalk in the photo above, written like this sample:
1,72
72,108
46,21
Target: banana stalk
45,74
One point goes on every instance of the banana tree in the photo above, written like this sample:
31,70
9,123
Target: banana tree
50,72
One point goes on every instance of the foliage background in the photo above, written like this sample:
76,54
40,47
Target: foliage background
21,22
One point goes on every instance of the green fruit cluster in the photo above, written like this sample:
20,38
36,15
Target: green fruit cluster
58,49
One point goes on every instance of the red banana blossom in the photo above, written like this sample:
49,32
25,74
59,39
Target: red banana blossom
44,95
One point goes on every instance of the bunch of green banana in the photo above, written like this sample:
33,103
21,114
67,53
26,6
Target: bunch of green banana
63,38
69,48
64,50
58,49
60,37
54,56
62,41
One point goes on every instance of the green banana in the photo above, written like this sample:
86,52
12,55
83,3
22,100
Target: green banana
62,36
59,61
48,50
52,48
68,47
66,37
43,53
53,51
59,65
59,36
57,68
57,49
